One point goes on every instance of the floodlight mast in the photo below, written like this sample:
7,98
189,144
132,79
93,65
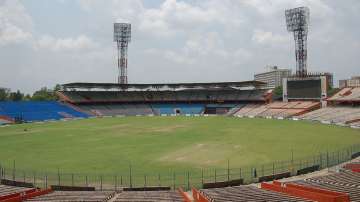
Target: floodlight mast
297,21
122,37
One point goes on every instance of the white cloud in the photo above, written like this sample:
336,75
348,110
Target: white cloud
202,48
15,23
16,26
10,33
172,17
271,7
267,37
81,42
242,54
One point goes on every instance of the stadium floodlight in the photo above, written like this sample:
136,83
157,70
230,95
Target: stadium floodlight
122,36
297,21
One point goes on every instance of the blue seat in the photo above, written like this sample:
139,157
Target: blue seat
181,108
38,110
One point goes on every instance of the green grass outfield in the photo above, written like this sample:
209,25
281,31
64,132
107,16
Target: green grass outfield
162,144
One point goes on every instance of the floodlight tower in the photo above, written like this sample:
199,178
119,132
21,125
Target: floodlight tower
122,36
297,21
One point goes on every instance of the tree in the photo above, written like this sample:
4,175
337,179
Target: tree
43,94
278,91
56,88
27,97
16,96
4,94
332,91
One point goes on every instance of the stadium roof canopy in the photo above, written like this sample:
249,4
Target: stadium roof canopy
107,86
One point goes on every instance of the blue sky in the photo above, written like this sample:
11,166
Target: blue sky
47,42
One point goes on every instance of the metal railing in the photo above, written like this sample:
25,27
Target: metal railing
187,179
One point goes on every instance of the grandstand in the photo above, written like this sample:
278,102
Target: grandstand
6,120
343,109
162,99
341,185
337,115
277,109
346,96
91,196
8,190
343,181
245,193
160,196
30,111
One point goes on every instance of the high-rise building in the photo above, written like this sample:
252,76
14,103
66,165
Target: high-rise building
353,82
273,76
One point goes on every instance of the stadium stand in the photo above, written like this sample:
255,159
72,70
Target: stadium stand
344,181
355,124
336,115
163,96
149,196
277,109
235,109
159,93
343,109
228,109
246,109
168,109
116,109
91,196
306,191
245,193
289,109
346,95
5,120
142,109
162,99
7,190
38,111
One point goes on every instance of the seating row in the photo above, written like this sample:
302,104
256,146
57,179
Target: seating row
277,109
38,111
336,115
157,96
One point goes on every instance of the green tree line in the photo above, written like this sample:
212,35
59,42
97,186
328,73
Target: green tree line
44,94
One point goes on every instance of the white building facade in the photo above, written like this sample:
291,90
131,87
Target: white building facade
273,77
353,82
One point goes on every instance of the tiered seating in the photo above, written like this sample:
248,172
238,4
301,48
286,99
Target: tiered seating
337,115
235,109
177,108
247,108
142,109
346,95
75,196
38,111
344,181
355,124
288,109
6,190
159,96
117,109
277,109
245,193
228,109
346,178
149,196
258,110
4,121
